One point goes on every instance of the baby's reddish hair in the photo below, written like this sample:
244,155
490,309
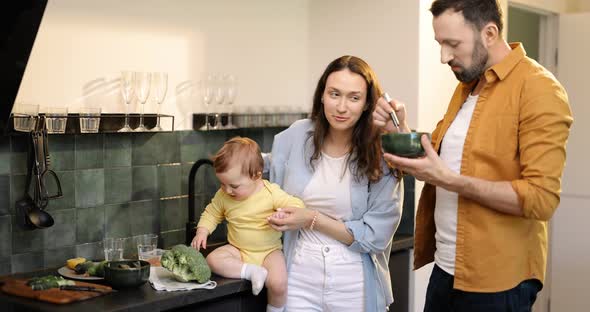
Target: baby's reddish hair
242,151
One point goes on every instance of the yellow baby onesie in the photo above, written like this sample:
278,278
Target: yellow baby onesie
247,227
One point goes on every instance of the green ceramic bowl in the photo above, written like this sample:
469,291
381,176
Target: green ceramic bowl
126,273
404,144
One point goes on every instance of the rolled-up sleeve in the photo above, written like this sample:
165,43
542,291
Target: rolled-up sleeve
374,231
544,129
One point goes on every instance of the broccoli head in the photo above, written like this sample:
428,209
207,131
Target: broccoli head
186,264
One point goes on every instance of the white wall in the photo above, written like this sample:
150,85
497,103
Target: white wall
583,6
555,6
383,33
82,46
570,247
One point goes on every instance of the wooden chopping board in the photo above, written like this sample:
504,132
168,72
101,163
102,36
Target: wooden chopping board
18,287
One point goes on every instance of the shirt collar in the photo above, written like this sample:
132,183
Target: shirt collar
502,69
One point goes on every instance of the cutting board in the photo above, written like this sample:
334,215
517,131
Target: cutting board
18,287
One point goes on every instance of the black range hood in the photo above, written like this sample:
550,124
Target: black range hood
19,23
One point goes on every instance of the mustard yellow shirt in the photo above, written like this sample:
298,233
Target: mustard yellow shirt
247,227
518,133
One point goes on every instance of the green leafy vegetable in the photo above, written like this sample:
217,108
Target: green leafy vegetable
186,264
49,281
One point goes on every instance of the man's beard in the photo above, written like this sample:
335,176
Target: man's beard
480,59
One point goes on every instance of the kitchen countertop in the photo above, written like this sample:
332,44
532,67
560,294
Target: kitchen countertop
145,298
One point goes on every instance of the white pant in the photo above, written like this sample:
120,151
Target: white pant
325,278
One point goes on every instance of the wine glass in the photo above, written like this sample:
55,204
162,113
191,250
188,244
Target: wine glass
206,90
230,97
218,95
142,90
127,82
160,87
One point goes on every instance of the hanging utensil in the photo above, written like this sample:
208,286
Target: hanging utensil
35,214
48,172
25,204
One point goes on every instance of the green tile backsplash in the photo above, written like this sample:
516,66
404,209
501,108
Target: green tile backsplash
145,183
62,152
169,177
89,151
4,155
90,224
117,150
114,185
4,195
18,154
5,233
118,185
89,188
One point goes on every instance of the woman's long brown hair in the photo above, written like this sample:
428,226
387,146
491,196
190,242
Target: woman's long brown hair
365,145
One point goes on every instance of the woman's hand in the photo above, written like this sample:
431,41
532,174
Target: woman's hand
200,239
382,119
290,218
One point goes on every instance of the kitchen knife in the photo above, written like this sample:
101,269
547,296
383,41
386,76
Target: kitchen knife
84,288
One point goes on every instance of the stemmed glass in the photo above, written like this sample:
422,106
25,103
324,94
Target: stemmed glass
160,86
230,97
127,82
219,95
142,90
206,90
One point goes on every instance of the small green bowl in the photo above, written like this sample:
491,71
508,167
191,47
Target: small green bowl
133,276
404,144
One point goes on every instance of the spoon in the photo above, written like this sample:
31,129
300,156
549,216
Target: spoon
392,113
39,218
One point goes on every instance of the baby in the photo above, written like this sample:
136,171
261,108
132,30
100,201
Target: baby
245,200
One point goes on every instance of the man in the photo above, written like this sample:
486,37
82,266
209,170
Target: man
493,170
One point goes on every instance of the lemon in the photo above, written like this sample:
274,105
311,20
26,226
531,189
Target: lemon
71,263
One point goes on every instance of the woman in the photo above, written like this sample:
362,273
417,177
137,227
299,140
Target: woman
337,250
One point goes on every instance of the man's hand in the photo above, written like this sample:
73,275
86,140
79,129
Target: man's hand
382,119
430,168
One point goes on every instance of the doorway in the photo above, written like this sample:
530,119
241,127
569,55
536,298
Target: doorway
537,30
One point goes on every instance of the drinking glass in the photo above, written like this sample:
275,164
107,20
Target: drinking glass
146,245
25,117
142,90
89,119
206,90
218,95
56,119
160,87
113,248
127,82
230,97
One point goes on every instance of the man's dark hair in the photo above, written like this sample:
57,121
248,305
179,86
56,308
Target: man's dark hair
476,12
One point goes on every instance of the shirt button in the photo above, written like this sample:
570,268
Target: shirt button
326,249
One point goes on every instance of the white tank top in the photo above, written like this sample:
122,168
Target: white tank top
445,212
328,192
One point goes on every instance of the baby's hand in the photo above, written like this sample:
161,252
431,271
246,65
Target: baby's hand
279,215
200,239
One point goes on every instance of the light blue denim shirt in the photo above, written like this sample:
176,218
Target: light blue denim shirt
376,209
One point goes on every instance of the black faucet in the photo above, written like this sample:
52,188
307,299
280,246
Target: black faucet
192,223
